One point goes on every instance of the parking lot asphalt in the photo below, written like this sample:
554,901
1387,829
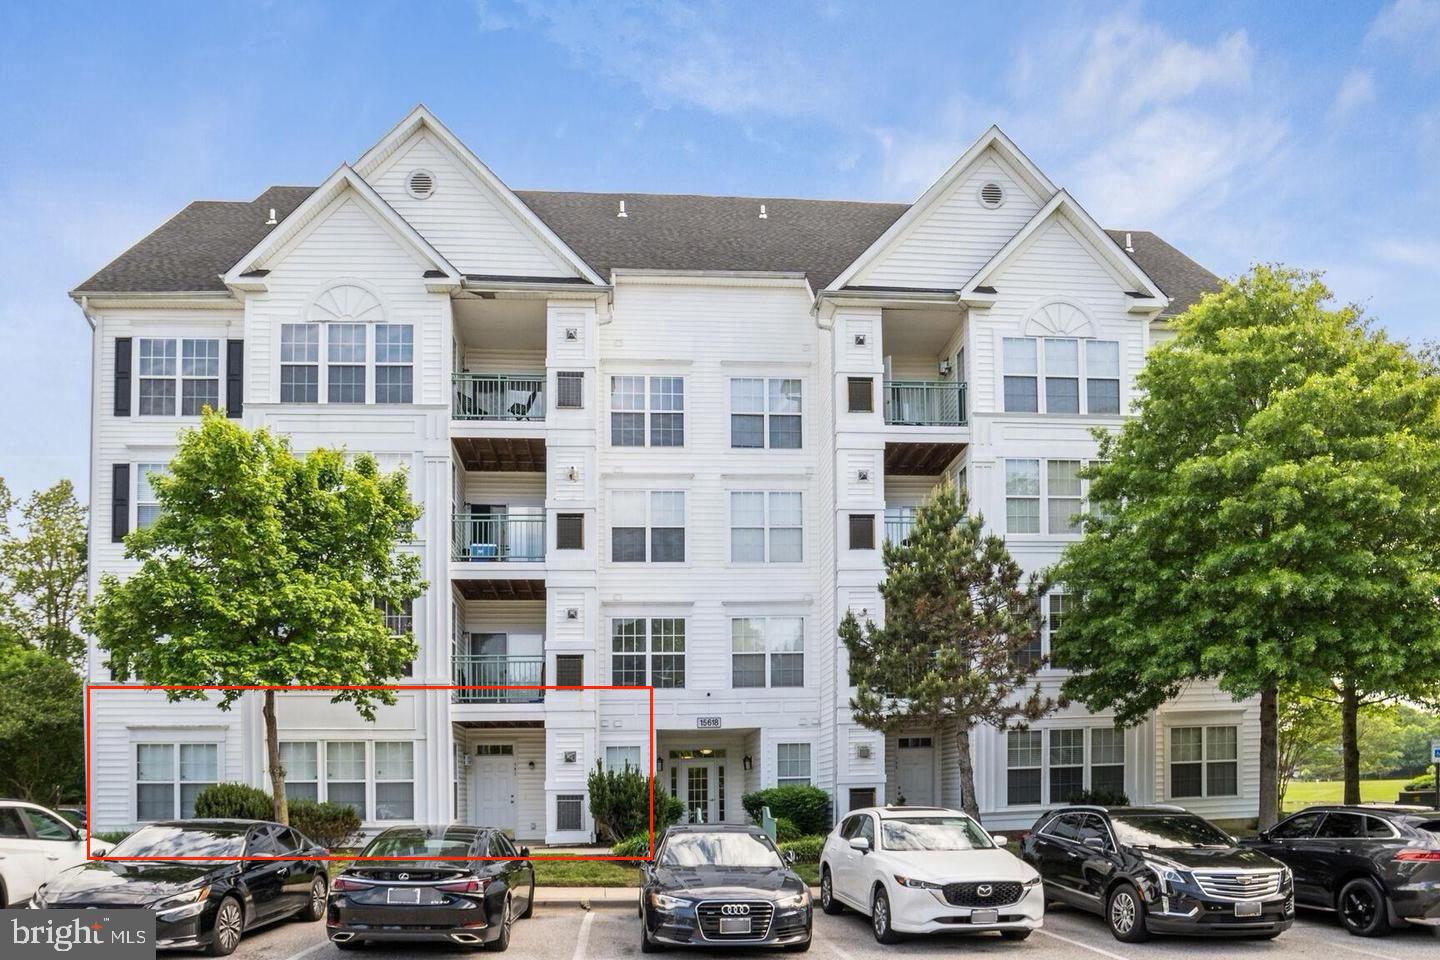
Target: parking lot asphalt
572,933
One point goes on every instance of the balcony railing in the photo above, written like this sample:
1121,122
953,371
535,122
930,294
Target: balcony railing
925,403
489,537
898,524
499,671
499,396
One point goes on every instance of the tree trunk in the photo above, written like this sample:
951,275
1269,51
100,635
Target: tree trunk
1350,740
1269,757
272,755
968,803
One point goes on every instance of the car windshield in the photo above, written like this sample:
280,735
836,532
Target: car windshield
160,840
1166,830
420,844
933,833
740,850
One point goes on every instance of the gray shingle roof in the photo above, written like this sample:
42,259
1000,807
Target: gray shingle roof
819,238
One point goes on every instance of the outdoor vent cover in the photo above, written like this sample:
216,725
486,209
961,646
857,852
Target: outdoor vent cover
992,195
420,183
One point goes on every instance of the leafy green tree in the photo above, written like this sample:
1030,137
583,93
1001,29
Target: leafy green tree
1307,735
1269,518
961,622
264,568
42,751
43,569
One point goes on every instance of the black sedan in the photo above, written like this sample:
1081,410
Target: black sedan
711,885
471,901
1158,870
207,903
1378,867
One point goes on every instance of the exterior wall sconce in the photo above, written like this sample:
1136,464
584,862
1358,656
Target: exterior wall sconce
570,756
531,764
945,367
862,751
659,763
859,339
572,333
572,613
863,476
573,474
747,763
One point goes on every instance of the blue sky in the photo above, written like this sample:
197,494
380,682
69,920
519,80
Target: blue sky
1303,133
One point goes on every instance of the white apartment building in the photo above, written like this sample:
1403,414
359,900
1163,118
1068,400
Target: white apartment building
659,440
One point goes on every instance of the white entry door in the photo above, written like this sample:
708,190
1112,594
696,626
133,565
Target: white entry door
915,771
699,789
492,784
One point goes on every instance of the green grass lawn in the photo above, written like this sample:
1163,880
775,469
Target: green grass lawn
584,873
1306,793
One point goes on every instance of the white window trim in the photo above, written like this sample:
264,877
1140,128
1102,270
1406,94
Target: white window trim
165,738
645,410
322,394
639,749
611,525
809,778
648,651
179,337
1205,725
1089,762
765,528
322,746
376,780
1083,375
770,651
1045,497
764,414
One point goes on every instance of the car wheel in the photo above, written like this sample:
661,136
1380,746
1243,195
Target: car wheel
502,943
828,903
315,909
1361,906
529,904
646,944
229,925
881,922
1125,913
1014,934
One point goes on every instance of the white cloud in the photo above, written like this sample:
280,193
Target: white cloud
1356,90
1411,252
1411,25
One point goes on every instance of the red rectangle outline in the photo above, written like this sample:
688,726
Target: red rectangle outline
313,689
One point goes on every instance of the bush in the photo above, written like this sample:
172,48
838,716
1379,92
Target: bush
807,807
1426,781
332,825
111,837
234,801
637,846
785,830
619,804
806,849
1100,798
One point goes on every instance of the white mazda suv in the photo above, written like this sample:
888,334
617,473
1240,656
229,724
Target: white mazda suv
927,870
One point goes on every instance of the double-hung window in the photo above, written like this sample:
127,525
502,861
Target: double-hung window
199,376
1078,375
147,504
1055,765
662,638
300,363
345,376
765,412
1102,376
792,764
766,527
400,622
767,652
301,762
1062,497
622,758
1204,761
395,780
1021,385
394,363
1022,496
1107,760
647,525
1024,757
647,411
157,377
345,774
1062,376
1067,764
181,375
345,362
168,777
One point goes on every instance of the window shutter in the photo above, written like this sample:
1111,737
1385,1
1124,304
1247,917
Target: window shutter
862,394
122,377
862,531
569,531
234,377
569,669
119,501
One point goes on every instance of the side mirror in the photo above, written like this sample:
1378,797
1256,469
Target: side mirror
1263,835
525,852
1095,843
81,833
1000,839
790,856
860,843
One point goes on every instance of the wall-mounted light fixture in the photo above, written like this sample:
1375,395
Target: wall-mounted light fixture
572,613
531,764
570,756
859,339
659,764
863,476
945,367
862,751
572,333
573,473
747,763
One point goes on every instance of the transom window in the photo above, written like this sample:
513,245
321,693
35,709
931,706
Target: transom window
168,777
1078,375
792,764
647,525
1056,509
187,369
662,638
1205,761
1052,766
647,411
766,527
767,652
765,413
346,375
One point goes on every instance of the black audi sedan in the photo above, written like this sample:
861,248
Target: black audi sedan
1377,867
1158,869
210,902
710,885
474,900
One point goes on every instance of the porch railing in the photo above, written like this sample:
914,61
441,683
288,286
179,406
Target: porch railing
499,671
925,403
898,524
488,537
498,396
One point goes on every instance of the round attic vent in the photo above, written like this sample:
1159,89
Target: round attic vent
420,183
992,195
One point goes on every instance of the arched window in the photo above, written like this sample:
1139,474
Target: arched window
366,359
1058,349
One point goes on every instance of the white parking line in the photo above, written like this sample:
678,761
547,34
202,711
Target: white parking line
582,939
1345,946
1082,945
309,950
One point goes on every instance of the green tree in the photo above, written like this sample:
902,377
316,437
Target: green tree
1306,735
264,568
957,648
1268,518
43,568
41,727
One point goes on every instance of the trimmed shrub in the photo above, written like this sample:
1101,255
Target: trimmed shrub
785,830
620,804
332,825
637,846
111,837
807,807
806,849
1100,798
233,801
1426,781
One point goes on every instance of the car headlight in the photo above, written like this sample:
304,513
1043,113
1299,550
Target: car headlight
801,899
917,884
1170,878
1033,881
190,898
661,901
1286,877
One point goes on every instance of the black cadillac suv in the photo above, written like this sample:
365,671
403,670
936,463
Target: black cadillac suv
1377,867
1158,869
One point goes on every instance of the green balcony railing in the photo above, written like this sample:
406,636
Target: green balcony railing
925,403
491,537
499,671
498,396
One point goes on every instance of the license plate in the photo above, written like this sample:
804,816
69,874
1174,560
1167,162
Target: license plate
1250,908
984,916
404,895
734,924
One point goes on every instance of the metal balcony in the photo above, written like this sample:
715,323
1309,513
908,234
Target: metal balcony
499,671
491,538
925,403
502,396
